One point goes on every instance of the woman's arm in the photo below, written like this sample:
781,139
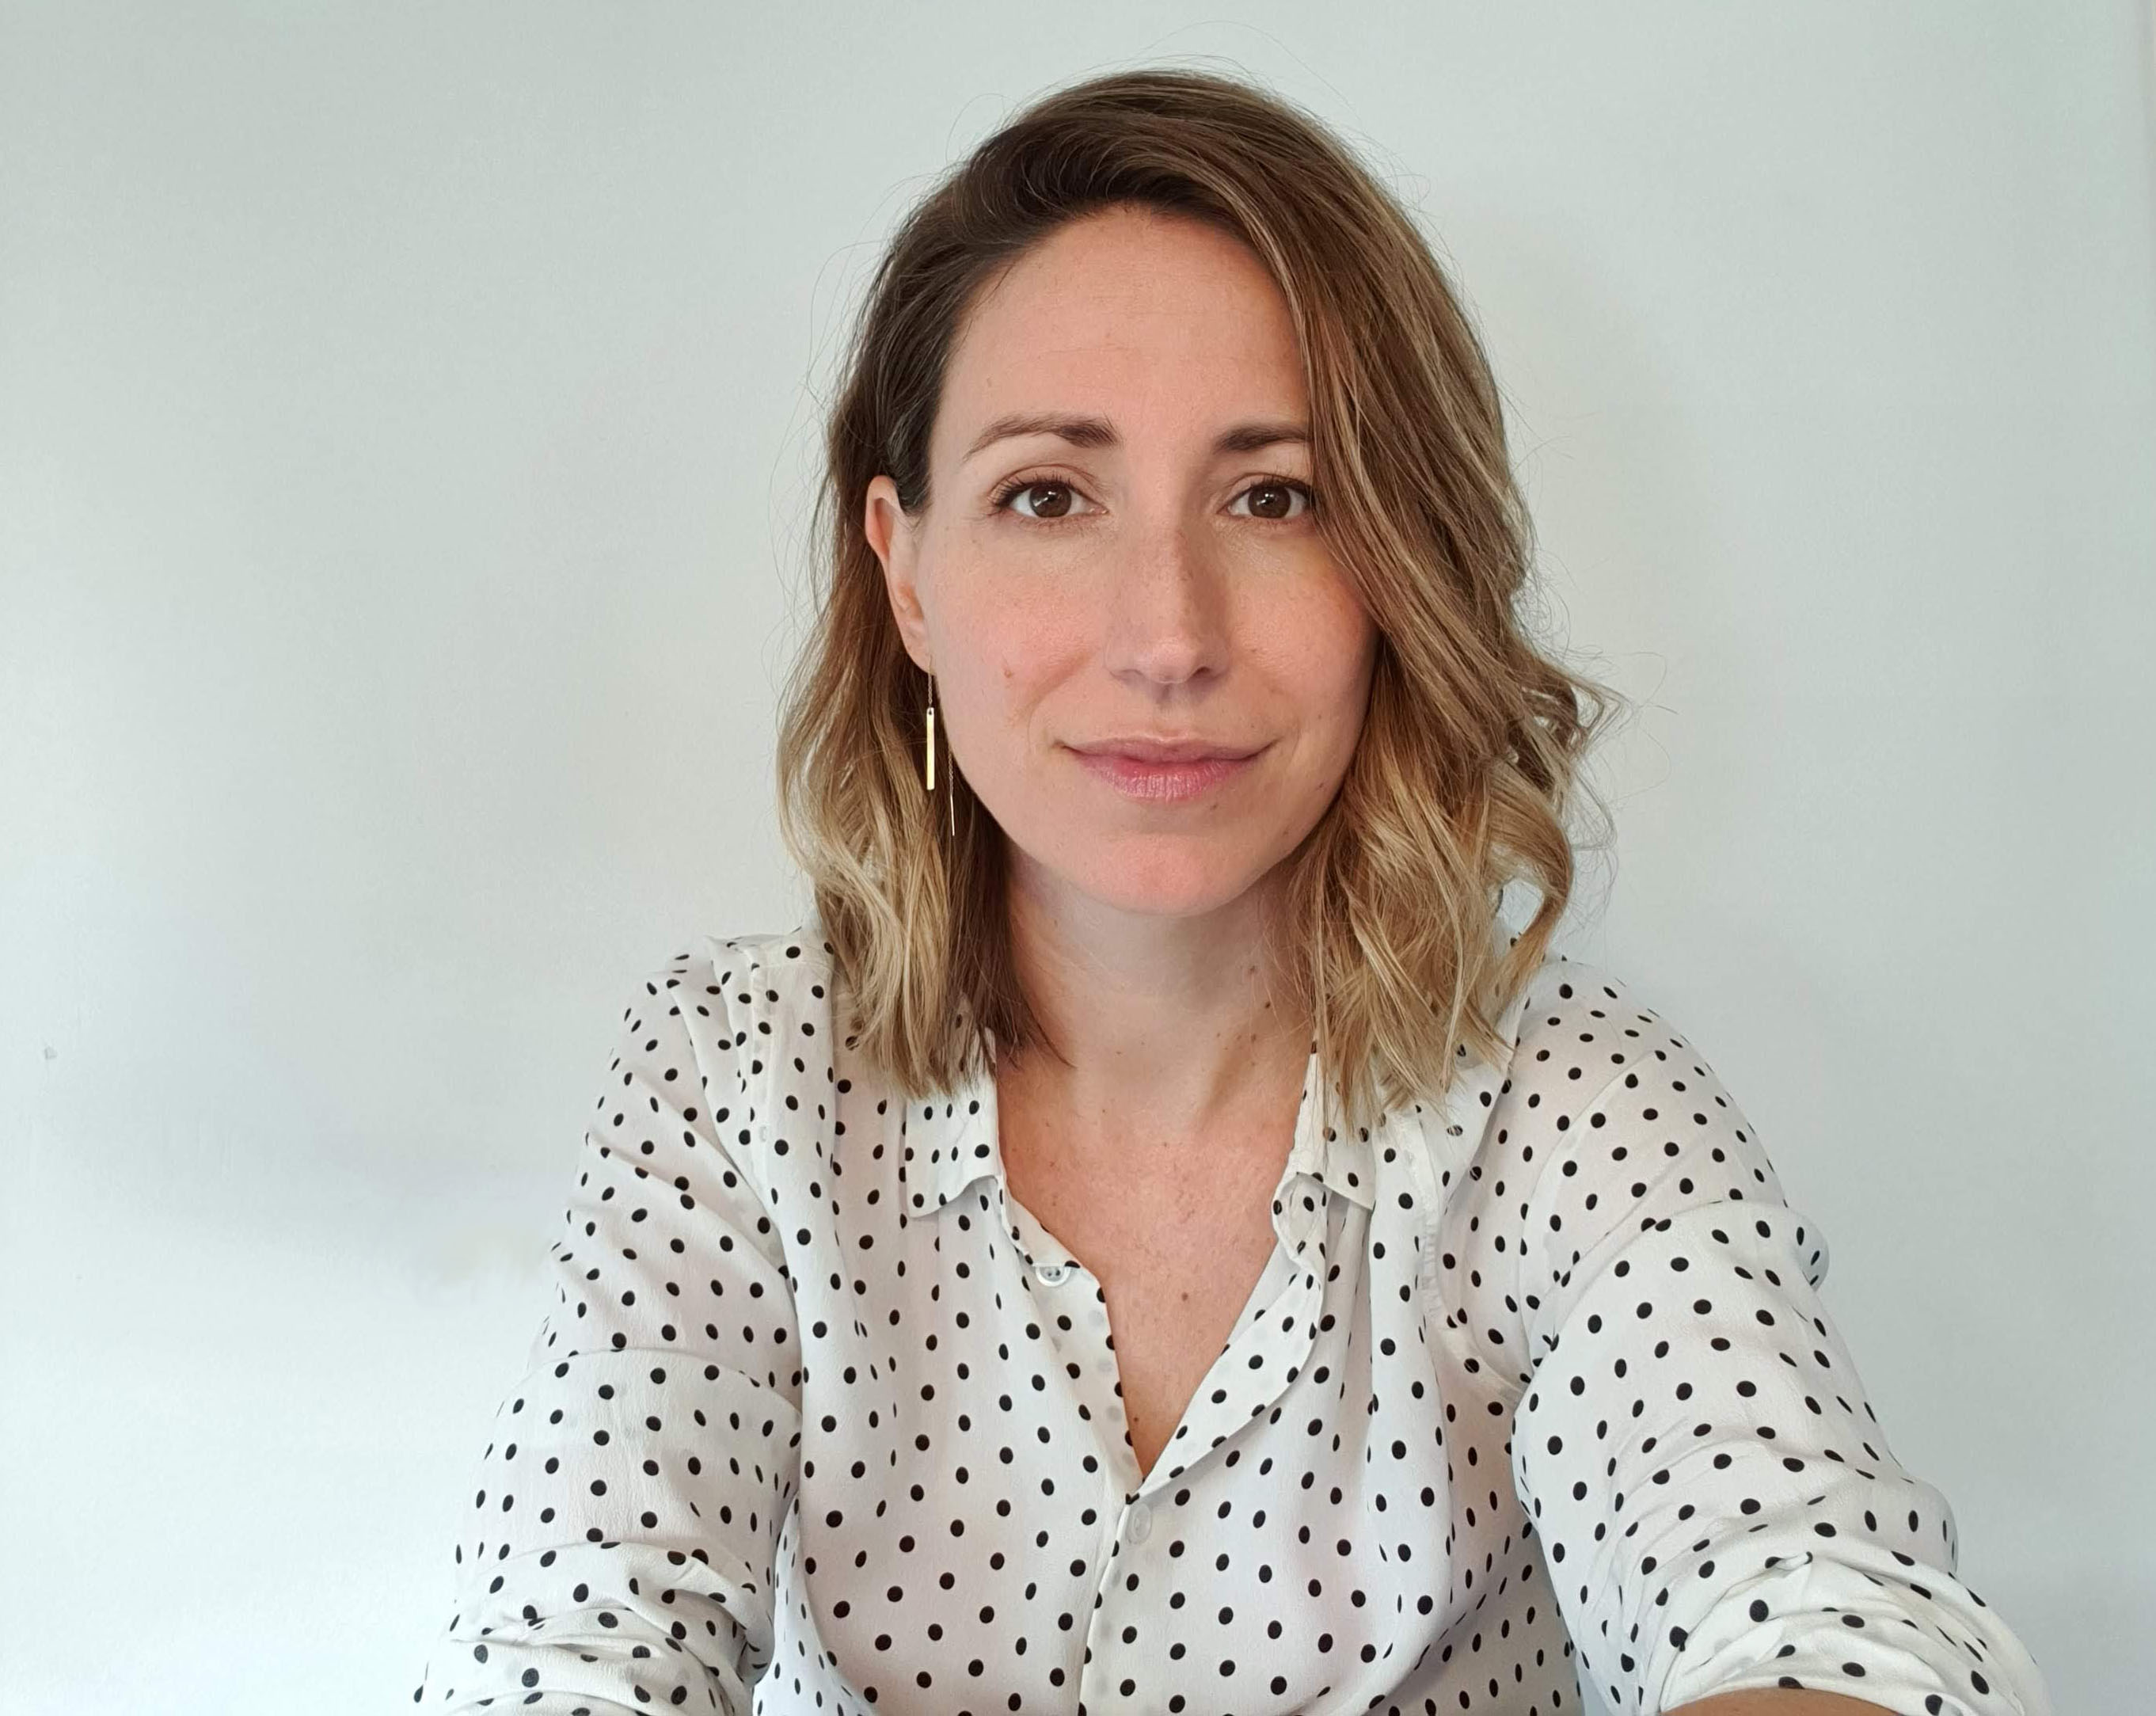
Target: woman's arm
617,1552
1720,1512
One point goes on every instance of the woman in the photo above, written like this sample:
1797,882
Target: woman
1153,1238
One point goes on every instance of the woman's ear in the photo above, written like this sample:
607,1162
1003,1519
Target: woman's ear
894,536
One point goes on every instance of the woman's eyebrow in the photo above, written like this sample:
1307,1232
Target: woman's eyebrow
1098,432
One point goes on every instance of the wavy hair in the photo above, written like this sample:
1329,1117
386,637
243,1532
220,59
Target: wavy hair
1469,753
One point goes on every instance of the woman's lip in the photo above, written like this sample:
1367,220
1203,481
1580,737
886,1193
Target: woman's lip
1164,782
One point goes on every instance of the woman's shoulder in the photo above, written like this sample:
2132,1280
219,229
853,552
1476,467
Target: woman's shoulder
768,966
1575,1036
731,996
1576,1023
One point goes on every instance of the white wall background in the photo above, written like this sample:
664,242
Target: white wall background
406,420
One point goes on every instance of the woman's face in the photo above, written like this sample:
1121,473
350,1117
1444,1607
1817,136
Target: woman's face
1157,571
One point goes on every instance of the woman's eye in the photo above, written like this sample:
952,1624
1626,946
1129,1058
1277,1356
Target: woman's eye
1058,507
1279,492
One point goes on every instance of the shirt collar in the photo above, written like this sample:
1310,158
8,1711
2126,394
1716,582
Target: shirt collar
951,1140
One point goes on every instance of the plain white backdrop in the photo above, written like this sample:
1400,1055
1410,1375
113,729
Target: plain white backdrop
408,418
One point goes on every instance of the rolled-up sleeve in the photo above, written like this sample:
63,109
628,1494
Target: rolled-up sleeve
1718,1504
616,1548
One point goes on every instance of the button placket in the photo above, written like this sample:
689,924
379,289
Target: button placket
1041,1252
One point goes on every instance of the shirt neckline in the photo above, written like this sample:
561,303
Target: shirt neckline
952,1141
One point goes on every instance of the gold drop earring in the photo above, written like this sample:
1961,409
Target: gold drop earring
950,798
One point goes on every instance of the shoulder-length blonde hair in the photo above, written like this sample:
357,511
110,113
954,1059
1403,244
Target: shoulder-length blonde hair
1468,756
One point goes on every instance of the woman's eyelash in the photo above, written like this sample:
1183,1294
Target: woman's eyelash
1019,484
1016,487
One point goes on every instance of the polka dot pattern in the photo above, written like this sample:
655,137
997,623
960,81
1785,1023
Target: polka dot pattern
1536,1392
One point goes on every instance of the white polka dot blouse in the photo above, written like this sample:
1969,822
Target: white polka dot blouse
1536,1394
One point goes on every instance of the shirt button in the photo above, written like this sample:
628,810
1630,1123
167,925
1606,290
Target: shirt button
1051,1274
1139,1526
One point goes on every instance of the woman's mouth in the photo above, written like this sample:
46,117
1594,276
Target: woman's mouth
1164,782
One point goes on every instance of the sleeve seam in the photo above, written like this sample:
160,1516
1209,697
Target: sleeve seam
756,1090
1528,1235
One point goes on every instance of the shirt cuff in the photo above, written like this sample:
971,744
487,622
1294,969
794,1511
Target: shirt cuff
1865,1623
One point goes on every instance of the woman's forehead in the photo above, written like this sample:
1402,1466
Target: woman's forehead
1177,348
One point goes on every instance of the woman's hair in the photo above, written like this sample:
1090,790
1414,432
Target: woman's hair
1470,752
